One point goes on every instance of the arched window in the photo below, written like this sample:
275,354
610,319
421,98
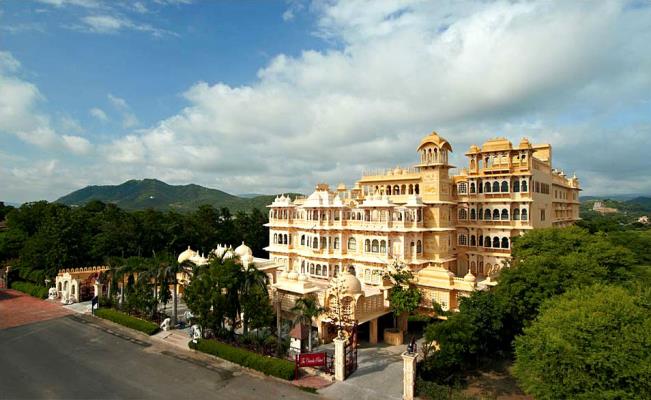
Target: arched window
487,187
463,241
312,269
324,243
388,191
416,189
480,214
496,187
505,243
383,246
335,244
275,238
523,214
516,186
463,214
315,243
367,246
396,190
285,239
473,213
472,187
505,186
419,247
487,241
505,214
481,240
462,188
375,246
411,189
318,269
59,286
488,268
403,189
303,267
496,214
302,240
473,241
352,244
324,271
524,186
516,214
487,214
496,242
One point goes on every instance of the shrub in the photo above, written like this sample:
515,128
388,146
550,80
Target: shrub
434,391
30,289
268,365
123,319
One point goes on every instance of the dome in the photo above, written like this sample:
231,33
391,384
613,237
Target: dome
524,143
473,149
350,283
243,251
469,277
435,139
186,255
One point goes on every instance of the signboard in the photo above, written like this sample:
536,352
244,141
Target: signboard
312,360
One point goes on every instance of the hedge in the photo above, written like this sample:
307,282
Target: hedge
268,365
123,319
30,289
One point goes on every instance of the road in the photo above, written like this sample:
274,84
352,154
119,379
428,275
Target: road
67,357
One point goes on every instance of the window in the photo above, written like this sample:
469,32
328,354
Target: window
335,244
487,187
542,215
516,186
487,214
352,244
463,240
505,214
416,189
481,240
524,186
375,246
318,269
480,187
505,186
496,187
523,214
367,246
472,187
496,214
505,243
487,241
315,243
516,214
480,214
473,240
463,214
462,188
419,247
383,246
496,242
473,214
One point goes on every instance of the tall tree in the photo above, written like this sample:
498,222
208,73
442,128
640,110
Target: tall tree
306,310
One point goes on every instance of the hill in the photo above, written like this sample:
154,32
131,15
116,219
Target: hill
152,193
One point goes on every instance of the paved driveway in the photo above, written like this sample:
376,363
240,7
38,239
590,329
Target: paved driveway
17,308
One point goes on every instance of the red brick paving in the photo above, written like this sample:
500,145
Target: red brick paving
312,381
17,308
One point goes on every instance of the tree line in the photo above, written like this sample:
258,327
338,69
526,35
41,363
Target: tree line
573,312
41,237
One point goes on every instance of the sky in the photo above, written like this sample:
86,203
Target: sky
277,96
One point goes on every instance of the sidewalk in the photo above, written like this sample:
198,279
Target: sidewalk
18,308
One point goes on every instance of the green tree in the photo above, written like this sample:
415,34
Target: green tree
588,343
253,287
403,298
306,310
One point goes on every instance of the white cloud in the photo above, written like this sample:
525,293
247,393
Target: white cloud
80,3
98,113
129,120
114,23
77,144
8,63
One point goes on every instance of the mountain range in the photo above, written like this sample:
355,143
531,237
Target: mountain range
152,193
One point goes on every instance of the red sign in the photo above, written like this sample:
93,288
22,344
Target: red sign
312,360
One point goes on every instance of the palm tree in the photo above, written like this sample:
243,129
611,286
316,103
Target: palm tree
306,309
252,279
171,272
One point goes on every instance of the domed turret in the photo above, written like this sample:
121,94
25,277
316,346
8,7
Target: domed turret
243,251
433,150
349,283
186,255
469,277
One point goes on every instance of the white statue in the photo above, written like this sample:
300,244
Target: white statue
52,293
195,332
166,325
188,315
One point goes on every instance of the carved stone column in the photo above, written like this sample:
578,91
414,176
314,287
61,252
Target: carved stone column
340,359
409,375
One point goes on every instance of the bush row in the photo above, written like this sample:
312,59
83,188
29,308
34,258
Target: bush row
123,319
268,365
30,289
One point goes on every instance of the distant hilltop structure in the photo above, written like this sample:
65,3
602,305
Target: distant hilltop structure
600,208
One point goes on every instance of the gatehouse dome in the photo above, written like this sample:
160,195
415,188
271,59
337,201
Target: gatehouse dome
435,139
350,283
186,255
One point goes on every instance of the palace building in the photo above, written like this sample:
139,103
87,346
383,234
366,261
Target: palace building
454,232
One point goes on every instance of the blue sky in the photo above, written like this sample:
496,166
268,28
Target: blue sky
271,96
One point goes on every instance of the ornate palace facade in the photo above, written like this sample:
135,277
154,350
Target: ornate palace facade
453,232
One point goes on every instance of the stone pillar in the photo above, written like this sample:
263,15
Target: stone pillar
409,375
340,359
372,335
